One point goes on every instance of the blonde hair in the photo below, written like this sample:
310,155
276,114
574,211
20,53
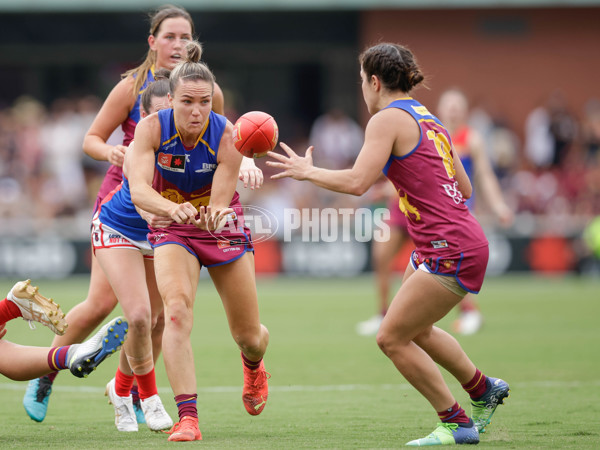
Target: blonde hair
191,68
140,73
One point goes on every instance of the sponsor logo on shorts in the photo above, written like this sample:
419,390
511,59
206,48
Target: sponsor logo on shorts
228,243
440,244
158,237
116,239
447,263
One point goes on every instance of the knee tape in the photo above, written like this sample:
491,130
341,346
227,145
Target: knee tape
141,366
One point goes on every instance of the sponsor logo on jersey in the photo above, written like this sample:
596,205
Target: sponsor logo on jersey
440,244
206,167
174,163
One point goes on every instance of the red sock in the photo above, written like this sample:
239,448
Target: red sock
8,311
57,358
146,384
186,405
454,415
123,383
477,386
252,365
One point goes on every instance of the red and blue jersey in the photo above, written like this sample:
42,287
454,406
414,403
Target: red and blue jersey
439,222
460,143
118,212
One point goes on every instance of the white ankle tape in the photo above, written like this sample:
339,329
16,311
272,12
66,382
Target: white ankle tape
141,366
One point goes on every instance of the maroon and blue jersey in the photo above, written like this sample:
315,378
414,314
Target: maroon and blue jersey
439,222
185,175
114,174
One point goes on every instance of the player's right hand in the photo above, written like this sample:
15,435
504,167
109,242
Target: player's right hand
116,155
184,213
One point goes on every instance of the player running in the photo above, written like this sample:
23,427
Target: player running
184,165
412,148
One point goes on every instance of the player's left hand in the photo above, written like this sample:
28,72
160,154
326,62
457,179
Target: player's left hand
292,165
2,330
250,174
154,220
210,220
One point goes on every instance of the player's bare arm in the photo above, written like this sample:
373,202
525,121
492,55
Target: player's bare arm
141,173
113,113
357,180
226,174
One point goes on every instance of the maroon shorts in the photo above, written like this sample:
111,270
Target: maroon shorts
468,268
211,250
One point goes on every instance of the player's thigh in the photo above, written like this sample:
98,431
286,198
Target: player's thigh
420,302
236,284
126,273
177,274
155,299
100,291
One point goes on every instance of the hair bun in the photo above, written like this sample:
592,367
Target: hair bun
194,51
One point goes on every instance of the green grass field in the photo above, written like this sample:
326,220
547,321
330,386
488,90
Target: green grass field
331,388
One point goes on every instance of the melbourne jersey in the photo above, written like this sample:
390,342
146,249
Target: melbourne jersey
439,223
185,175
117,212
114,173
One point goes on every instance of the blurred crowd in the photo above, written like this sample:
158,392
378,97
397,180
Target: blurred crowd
44,174
549,171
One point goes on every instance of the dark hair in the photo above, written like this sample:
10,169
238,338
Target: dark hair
156,19
191,68
158,88
393,64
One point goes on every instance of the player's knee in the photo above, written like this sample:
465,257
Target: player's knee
249,342
388,341
383,341
179,315
139,321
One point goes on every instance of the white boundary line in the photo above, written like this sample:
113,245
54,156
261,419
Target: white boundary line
539,384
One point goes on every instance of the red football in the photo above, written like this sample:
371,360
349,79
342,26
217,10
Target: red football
255,133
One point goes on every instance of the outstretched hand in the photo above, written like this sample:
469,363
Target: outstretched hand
292,165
